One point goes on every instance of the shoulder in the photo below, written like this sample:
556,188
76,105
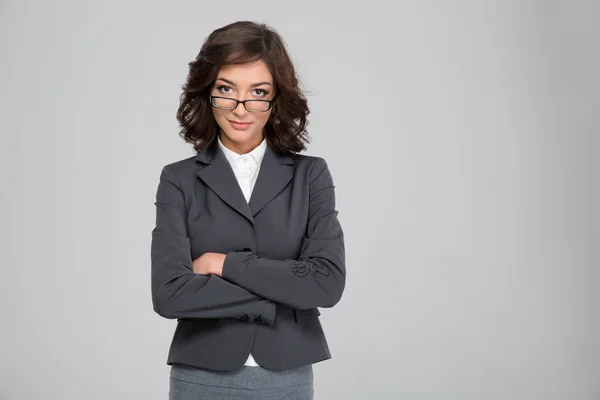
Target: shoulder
315,166
178,170
180,167
310,162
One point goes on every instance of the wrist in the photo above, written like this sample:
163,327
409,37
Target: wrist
217,266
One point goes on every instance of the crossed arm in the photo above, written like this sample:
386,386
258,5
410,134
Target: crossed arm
235,284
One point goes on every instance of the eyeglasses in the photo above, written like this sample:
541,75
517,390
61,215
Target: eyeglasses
227,103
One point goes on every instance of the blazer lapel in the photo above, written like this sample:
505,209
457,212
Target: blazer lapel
219,176
274,174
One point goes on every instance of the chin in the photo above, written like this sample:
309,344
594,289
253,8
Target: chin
241,137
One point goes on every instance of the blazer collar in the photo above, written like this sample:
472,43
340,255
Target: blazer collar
209,152
274,174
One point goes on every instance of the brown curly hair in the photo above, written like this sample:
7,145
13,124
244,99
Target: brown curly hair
239,43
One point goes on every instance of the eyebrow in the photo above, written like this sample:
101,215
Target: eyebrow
253,85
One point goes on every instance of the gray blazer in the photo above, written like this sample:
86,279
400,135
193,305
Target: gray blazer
285,258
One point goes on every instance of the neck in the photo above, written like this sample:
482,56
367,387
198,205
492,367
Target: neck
241,148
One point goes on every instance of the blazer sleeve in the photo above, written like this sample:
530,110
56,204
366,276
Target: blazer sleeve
318,277
178,292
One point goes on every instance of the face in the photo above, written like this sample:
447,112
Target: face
242,130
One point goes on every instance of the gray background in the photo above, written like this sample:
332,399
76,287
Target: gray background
463,139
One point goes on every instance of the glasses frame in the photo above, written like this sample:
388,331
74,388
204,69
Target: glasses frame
237,103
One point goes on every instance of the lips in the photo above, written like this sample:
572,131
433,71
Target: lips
240,126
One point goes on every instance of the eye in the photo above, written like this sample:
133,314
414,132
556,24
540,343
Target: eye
224,89
260,92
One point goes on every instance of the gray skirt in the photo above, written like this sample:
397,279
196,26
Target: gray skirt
191,383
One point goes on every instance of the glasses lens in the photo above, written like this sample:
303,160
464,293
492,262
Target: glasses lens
257,105
224,103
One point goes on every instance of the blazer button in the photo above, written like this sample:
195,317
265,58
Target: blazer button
245,318
259,320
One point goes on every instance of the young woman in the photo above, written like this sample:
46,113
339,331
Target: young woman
247,244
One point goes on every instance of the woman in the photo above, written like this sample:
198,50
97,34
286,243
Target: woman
247,244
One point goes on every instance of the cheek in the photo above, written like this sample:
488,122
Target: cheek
263,119
217,113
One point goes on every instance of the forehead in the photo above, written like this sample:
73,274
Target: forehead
246,74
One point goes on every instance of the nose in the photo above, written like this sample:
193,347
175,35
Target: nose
240,110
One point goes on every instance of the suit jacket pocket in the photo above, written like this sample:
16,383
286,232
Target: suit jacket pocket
302,315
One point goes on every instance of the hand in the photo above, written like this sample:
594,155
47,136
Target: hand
209,263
